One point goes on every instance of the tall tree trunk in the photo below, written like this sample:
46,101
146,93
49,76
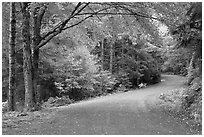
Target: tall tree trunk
111,56
122,56
102,54
35,55
27,61
12,37
102,62
36,39
35,60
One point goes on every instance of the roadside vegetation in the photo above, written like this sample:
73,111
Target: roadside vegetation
187,102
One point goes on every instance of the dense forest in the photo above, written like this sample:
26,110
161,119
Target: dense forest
68,52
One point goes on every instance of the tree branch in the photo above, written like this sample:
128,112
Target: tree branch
91,15
44,42
60,29
78,5
123,6
61,24
94,12
139,14
78,22
41,13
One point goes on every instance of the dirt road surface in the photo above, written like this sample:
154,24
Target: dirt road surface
131,113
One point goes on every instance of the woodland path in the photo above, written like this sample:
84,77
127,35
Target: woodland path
133,113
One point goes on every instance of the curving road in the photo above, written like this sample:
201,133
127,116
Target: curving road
131,113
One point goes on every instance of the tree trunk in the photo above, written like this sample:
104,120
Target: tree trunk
122,56
36,39
192,62
112,53
102,62
114,36
35,60
111,56
102,54
191,69
35,55
27,61
12,37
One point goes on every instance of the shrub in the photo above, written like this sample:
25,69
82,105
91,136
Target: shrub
57,101
105,83
177,61
123,80
192,102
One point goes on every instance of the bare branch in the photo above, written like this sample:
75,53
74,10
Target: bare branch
78,5
78,22
139,14
41,13
94,12
62,24
57,31
91,15
83,8
129,9
44,42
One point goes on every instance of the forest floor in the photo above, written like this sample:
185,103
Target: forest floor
136,112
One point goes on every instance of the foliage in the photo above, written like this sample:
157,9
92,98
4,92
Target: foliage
189,33
131,63
56,102
192,102
77,74
105,83
189,57
186,104
157,54
123,79
177,61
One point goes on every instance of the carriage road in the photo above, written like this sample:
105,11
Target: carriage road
131,113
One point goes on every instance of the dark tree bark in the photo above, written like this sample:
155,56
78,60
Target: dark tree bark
27,59
36,39
102,54
102,62
111,57
12,37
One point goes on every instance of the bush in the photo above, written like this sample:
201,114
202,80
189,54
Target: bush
192,102
85,86
177,61
185,103
123,80
57,101
105,83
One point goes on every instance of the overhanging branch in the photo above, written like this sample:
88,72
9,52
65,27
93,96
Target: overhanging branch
45,40
61,24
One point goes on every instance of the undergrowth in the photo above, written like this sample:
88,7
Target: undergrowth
185,104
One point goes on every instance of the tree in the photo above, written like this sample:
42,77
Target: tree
37,16
27,58
12,37
189,35
113,39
